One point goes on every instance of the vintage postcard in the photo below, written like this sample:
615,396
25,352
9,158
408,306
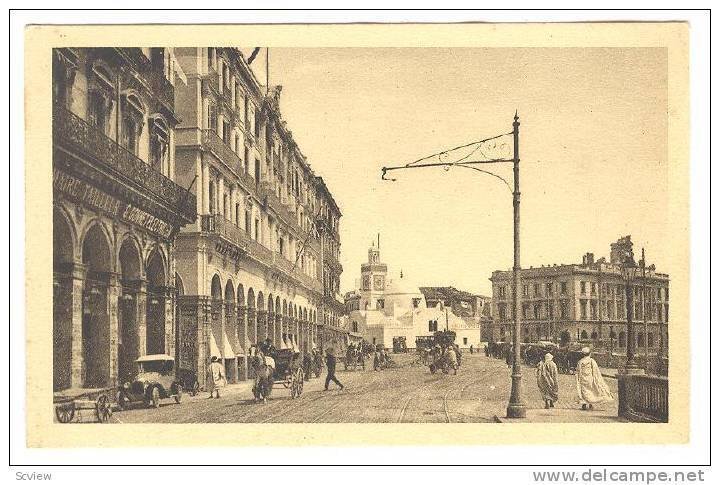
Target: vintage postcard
357,234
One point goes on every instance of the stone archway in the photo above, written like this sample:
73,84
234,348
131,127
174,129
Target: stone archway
130,304
63,265
155,308
97,256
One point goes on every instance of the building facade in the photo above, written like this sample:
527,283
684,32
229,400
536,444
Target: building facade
251,267
116,212
387,311
333,330
585,302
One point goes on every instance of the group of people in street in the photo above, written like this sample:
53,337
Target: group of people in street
590,384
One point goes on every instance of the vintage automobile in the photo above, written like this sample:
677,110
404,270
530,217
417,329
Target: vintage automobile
155,381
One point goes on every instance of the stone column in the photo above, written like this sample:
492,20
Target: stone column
231,330
170,324
270,328
242,338
252,326
261,325
79,271
141,308
278,327
113,293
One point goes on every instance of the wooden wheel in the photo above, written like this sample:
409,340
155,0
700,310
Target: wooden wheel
301,382
65,412
103,409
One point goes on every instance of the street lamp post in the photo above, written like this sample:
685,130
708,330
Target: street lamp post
628,269
516,407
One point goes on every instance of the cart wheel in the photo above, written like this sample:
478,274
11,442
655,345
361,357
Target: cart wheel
155,400
178,393
301,382
293,386
65,412
103,409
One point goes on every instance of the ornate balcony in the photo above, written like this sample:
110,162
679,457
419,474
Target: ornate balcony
223,152
244,244
71,131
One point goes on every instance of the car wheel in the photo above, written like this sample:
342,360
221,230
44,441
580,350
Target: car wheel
155,400
178,393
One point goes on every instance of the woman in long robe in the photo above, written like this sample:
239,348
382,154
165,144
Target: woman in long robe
591,386
547,380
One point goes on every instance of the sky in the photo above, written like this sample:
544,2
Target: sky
593,150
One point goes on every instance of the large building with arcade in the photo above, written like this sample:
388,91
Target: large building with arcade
261,261
394,312
116,211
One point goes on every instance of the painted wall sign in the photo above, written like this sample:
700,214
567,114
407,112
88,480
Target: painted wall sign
87,194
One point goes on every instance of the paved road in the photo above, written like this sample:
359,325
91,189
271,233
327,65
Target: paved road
406,394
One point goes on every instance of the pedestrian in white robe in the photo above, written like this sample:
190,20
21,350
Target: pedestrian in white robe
216,377
591,386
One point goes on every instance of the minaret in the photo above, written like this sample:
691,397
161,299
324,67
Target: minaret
374,274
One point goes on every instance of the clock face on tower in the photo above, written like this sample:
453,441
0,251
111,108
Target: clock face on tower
379,283
366,282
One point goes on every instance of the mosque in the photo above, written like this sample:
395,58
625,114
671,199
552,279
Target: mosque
394,312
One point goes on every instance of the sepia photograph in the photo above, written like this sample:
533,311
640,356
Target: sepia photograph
357,235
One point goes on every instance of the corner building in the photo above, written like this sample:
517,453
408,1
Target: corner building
116,211
251,266
586,302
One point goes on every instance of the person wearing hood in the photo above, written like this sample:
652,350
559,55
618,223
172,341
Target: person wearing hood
591,386
547,380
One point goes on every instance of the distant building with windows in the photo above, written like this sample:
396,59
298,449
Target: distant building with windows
584,302
387,310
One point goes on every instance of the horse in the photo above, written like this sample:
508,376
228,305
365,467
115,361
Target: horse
263,375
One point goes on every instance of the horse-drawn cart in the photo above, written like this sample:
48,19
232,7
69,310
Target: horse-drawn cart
281,367
70,405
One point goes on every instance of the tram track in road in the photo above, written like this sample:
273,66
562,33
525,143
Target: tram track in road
472,382
307,404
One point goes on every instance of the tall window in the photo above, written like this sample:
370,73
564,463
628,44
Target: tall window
211,57
563,288
583,309
98,111
432,326
549,289
257,172
130,134
159,145
237,214
582,287
257,230
536,289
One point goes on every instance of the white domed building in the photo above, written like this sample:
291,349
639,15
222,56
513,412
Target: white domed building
394,311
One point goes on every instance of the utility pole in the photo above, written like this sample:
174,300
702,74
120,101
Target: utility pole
516,407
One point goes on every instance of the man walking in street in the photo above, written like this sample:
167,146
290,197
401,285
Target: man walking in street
547,380
215,378
591,386
331,362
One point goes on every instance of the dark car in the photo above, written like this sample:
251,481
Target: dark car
155,381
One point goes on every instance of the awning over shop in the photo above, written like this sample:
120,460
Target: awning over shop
228,350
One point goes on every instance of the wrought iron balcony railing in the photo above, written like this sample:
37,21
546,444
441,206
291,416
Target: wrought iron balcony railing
228,157
217,224
72,131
